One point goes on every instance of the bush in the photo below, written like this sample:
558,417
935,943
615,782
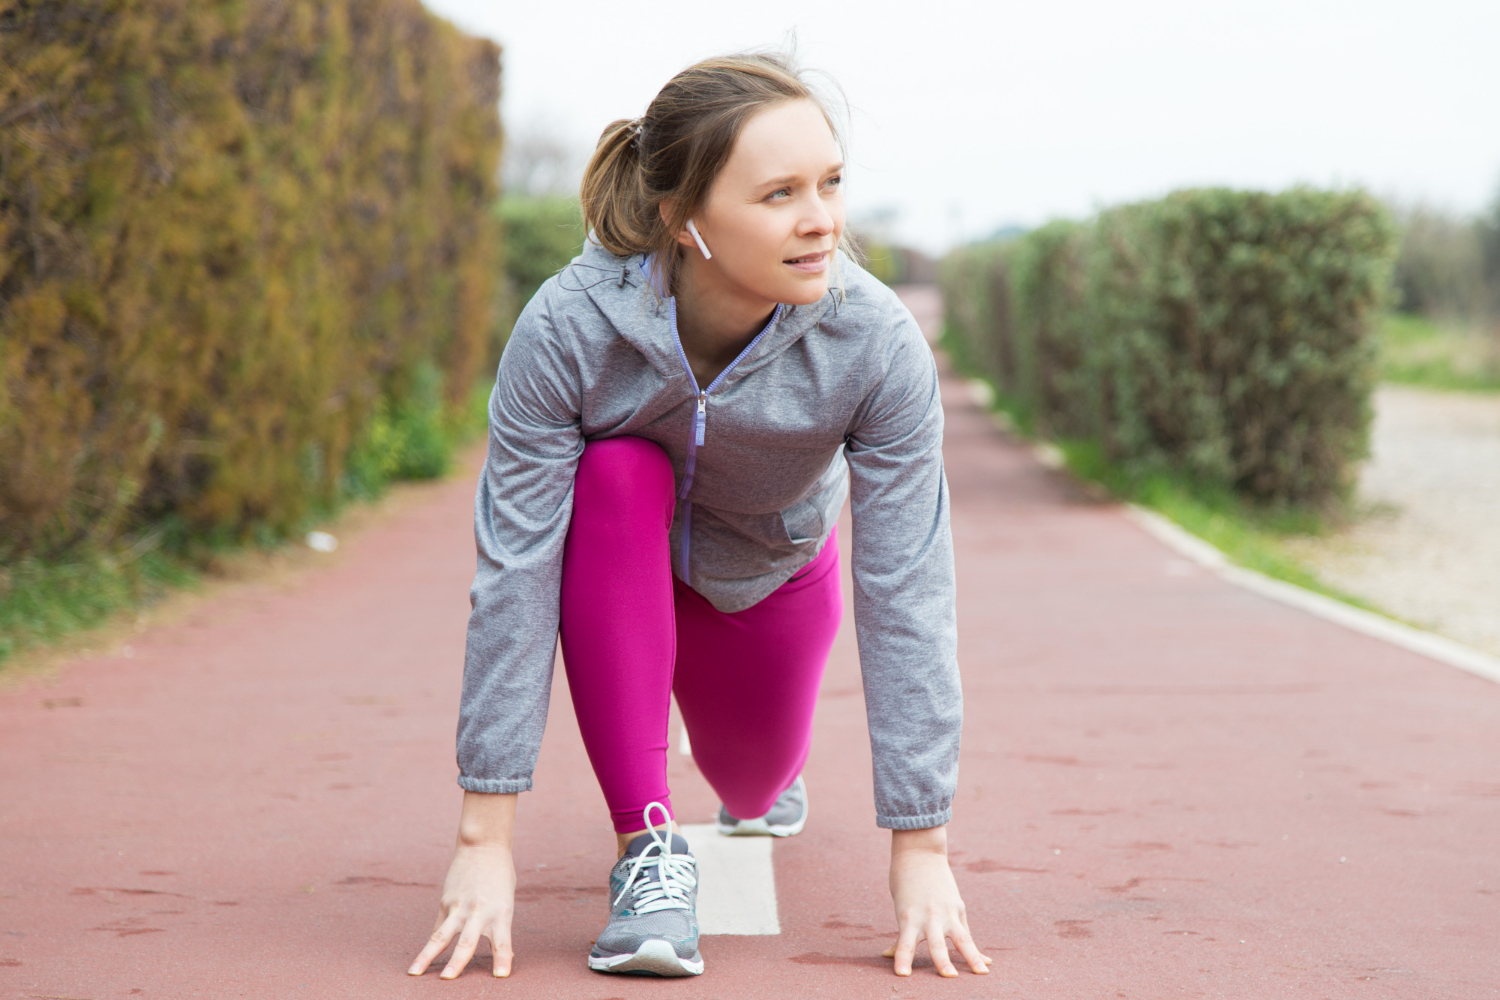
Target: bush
405,439
541,235
977,323
1222,335
236,240
1440,269
893,264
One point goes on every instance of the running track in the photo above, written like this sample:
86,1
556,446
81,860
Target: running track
1170,787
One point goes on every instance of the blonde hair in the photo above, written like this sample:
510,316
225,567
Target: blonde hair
676,149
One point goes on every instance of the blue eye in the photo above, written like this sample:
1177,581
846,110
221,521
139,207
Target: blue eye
835,180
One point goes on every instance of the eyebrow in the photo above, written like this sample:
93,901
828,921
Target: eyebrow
779,181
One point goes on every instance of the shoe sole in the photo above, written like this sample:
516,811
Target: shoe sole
760,828
654,957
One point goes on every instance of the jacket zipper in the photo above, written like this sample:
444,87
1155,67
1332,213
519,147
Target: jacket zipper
699,429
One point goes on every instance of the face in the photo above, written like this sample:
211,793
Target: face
776,210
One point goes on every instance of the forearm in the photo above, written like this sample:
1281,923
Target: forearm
522,508
487,820
904,598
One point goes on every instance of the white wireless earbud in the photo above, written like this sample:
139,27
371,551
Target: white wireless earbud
699,240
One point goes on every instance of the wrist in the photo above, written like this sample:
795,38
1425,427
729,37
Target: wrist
932,840
487,820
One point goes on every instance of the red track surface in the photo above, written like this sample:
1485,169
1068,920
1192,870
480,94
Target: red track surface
1170,787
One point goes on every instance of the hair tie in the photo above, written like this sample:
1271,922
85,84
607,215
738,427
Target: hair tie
637,126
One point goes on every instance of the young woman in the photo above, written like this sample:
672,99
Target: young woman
677,420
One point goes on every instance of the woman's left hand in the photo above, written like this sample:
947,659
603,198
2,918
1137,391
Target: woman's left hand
928,905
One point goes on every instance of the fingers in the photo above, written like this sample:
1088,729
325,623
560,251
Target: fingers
979,962
463,951
500,950
441,935
904,948
937,948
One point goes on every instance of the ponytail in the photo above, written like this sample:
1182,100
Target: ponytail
614,200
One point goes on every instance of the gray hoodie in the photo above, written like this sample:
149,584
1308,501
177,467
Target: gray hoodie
835,398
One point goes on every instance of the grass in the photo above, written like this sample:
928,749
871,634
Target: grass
1249,535
1416,350
42,602
45,601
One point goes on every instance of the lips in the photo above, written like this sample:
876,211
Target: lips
809,260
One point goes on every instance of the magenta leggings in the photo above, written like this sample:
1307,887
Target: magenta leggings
632,634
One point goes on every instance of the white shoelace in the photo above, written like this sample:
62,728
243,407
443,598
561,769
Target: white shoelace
676,873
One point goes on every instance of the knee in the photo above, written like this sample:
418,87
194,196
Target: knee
623,469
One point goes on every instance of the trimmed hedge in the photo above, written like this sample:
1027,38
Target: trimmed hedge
892,264
1225,335
542,234
230,234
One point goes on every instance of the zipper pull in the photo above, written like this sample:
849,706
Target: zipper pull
701,419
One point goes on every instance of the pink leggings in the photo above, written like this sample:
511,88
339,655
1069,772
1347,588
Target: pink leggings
746,682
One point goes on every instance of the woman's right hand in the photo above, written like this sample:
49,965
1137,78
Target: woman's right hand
479,893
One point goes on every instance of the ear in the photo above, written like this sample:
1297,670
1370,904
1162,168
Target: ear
666,208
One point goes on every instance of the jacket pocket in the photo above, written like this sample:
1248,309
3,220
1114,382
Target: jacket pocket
803,522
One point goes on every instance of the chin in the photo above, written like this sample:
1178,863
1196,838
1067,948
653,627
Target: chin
804,293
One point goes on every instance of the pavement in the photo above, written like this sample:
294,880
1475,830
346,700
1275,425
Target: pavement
1169,787
1427,544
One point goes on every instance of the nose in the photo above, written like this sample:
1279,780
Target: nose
816,218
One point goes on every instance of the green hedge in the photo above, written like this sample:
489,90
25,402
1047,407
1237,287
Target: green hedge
542,234
231,236
1224,335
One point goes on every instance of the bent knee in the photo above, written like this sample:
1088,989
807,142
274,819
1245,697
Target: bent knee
624,469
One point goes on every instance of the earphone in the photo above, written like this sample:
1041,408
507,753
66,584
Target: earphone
699,240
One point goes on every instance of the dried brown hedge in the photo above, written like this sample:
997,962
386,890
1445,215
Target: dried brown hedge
227,231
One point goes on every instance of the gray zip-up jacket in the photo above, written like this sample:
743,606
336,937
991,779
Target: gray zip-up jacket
832,398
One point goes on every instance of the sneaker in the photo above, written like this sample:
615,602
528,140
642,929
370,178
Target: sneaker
653,920
787,816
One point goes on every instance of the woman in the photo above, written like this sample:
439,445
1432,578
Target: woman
678,417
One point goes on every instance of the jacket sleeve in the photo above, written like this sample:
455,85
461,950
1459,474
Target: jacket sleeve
521,513
904,586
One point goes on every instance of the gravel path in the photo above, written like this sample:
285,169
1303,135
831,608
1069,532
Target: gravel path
1428,548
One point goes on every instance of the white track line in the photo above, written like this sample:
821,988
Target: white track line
1377,626
736,882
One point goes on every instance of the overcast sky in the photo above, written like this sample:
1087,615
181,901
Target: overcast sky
969,116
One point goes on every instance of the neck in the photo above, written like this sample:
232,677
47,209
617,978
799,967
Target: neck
715,318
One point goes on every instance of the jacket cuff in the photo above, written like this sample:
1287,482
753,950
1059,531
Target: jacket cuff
494,786
923,822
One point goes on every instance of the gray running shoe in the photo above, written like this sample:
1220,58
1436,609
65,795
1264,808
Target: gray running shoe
653,921
787,816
